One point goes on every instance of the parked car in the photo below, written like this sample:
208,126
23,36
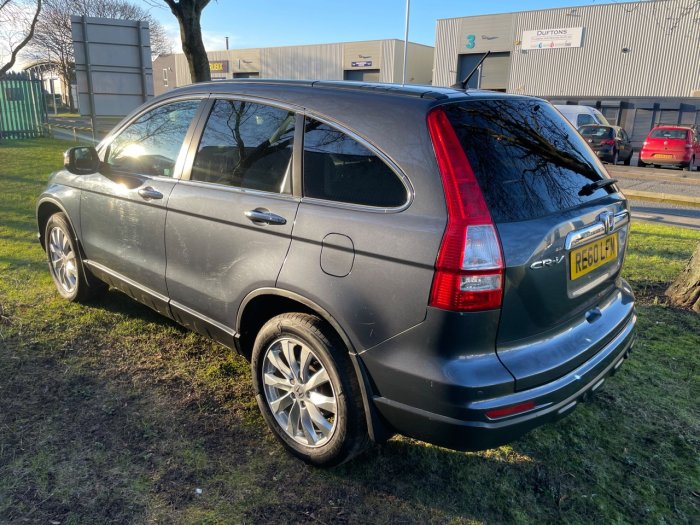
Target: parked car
582,115
610,143
441,264
668,145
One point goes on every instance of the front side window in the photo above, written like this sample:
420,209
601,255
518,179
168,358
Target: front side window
339,168
151,144
246,145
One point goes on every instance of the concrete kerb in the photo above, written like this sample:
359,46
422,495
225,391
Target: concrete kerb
668,198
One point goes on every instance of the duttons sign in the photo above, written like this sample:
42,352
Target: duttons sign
553,38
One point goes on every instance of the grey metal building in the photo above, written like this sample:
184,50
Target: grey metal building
631,49
372,60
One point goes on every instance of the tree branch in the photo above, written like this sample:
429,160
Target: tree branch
13,55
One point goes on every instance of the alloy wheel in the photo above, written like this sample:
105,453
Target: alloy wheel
299,392
63,261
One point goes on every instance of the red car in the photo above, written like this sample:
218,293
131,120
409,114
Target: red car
671,146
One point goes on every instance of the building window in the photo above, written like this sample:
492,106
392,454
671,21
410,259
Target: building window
165,76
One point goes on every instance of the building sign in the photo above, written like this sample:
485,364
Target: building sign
552,38
364,63
218,66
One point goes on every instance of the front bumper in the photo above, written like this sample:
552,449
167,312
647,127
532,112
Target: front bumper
443,398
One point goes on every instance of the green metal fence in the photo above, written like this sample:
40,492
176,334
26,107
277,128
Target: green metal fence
22,108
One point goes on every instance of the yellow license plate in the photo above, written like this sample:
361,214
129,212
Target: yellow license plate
662,156
593,255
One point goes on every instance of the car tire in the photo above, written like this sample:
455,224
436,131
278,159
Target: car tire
307,390
628,160
615,158
73,281
641,164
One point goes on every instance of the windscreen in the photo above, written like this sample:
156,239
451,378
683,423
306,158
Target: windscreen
529,162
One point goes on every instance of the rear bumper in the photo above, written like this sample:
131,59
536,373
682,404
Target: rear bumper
450,410
553,401
677,159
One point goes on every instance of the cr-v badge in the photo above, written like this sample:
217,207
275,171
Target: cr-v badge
546,263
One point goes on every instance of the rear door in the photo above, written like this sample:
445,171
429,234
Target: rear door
563,240
230,219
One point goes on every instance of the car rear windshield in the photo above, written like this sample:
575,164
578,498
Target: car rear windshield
599,132
681,134
529,162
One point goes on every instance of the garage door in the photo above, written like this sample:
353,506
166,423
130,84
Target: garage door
643,121
495,71
668,116
362,75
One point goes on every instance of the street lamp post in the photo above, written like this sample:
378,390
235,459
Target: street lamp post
405,42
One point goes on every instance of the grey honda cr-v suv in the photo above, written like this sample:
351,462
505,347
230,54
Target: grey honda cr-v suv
437,263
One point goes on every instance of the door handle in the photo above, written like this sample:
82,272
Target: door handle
263,216
150,193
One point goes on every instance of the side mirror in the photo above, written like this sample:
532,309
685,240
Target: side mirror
81,160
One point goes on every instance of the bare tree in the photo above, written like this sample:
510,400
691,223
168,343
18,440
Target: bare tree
188,14
53,40
18,20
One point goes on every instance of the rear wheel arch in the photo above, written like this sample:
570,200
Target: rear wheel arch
261,305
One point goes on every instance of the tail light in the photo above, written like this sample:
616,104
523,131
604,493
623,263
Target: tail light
608,142
469,266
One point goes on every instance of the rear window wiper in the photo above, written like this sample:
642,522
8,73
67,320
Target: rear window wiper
588,189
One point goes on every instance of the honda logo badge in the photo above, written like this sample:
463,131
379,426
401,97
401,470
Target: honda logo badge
608,220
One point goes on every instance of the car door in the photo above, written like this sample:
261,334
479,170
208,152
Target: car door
230,219
622,147
628,143
123,207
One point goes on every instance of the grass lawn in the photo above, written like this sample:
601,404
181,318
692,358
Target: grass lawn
110,413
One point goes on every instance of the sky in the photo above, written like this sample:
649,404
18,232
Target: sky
268,23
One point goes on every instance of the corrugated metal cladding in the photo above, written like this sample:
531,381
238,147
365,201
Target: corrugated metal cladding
662,57
660,39
303,62
381,60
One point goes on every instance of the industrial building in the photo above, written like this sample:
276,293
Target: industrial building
371,61
638,62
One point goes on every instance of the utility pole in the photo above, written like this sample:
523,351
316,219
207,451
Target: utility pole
405,43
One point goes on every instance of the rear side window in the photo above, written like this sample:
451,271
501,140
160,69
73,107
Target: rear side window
528,161
339,168
246,145
673,134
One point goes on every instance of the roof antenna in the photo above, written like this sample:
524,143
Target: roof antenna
470,75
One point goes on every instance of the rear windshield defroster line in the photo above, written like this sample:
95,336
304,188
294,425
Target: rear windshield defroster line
528,161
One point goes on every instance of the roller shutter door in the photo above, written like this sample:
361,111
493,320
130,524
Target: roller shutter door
643,121
495,71
362,75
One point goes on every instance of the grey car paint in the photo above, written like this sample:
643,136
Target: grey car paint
112,208
217,255
420,361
